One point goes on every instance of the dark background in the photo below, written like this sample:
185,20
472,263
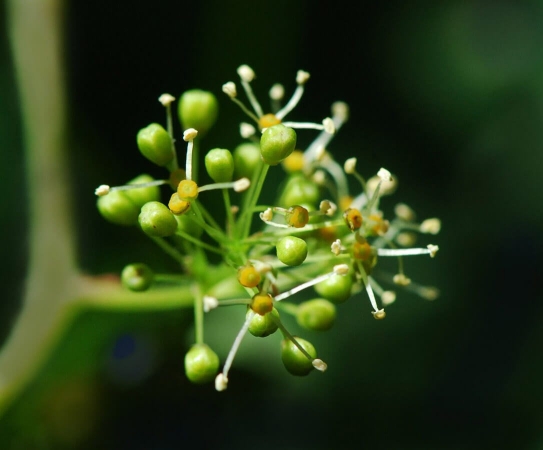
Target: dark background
446,95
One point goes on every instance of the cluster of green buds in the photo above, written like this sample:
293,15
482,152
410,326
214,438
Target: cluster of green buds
317,235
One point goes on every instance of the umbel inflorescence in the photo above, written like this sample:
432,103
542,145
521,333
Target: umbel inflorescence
318,235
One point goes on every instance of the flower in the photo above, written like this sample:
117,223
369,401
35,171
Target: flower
321,235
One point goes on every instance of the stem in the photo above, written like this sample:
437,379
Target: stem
251,200
35,28
198,314
161,242
229,215
173,165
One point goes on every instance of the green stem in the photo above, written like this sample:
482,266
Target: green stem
35,28
229,215
251,200
173,165
198,314
161,242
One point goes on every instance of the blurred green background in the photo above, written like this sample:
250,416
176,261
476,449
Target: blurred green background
447,95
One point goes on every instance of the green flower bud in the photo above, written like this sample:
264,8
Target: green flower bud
291,250
155,144
198,109
337,288
220,165
294,360
157,220
262,326
317,314
117,208
299,190
246,160
141,196
277,143
123,207
201,364
137,277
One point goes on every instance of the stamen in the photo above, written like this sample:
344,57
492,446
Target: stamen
230,89
336,247
341,269
303,286
189,136
431,226
327,208
166,99
404,212
210,303
388,297
238,185
350,166
328,125
246,130
301,79
430,250
304,125
277,92
267,215
104,189
340,114
319,364
221,381
247,75
401,280
384,174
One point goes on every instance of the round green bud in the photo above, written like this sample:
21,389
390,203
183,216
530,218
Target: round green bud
336,288
141,196
157,220
123,207
137,277
317,314
117,208
299,190
155,144
294,360
291,250
246,160
277,143
220,165
198,109
262,326
201,364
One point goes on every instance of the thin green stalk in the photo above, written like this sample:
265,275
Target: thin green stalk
198,314
174,253
229,215
251,201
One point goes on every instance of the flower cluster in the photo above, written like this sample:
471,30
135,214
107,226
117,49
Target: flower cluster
317,235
